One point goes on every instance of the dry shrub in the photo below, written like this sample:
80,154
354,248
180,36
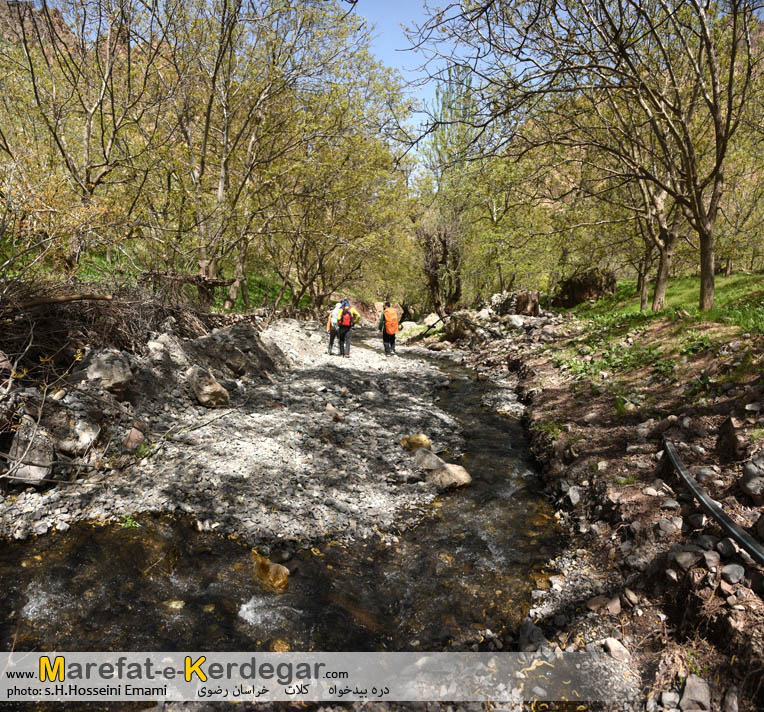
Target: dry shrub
48,324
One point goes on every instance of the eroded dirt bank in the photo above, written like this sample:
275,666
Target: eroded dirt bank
644,564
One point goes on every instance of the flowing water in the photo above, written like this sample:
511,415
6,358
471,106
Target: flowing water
458,579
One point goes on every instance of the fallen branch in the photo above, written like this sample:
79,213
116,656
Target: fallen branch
60,299
419,337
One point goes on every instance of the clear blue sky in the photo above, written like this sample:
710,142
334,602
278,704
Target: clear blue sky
390,43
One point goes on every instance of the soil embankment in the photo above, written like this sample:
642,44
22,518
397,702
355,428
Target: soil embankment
644,564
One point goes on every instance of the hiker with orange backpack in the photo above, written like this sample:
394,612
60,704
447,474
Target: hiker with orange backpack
388,325
347,318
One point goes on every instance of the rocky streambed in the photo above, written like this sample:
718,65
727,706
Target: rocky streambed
305,464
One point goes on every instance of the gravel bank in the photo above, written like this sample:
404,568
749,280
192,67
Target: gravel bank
307,453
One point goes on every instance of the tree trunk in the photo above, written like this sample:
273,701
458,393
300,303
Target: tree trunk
728,267
644,292
706,270
209,269
662,278
239,281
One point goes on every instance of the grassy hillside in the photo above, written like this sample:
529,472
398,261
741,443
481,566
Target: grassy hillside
637,355
739,301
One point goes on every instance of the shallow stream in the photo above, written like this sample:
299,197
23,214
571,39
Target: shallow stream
461,578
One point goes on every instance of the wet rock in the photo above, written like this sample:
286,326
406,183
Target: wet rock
450,476
415,441
274,576
207,390
31,453
733,573
111,370
696,695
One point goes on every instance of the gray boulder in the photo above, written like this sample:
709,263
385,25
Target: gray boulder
33,446
207,390
428,460
111,370
760,527
514,321
752,482
439,472
696,696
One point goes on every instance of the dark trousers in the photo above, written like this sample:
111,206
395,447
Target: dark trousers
332,337
389,341
345,332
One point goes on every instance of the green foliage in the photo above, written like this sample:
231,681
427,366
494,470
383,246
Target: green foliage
142,450
694,343
129,522
620,405
738,300
757,434
664,369
698,386
552,428
612,358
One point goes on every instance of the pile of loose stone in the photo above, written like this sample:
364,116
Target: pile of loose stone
261,434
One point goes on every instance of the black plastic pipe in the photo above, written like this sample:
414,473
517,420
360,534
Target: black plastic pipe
742,537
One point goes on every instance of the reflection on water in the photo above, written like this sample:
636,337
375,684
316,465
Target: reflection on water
165,586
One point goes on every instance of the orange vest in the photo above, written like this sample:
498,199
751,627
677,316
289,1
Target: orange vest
391,321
